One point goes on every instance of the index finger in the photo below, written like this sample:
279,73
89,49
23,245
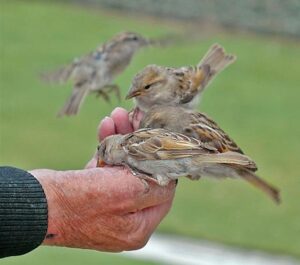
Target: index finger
156,195
121,120
106,128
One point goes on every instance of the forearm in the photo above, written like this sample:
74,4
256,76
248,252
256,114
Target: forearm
23,212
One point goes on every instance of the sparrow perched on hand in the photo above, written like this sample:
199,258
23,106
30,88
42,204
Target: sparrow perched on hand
199,126
96,71
158,85
163,156
190,123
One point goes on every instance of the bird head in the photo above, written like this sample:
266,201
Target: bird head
110,151
133,39
148,86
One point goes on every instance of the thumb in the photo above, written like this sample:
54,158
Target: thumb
92,163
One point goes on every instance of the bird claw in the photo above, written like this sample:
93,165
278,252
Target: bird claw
104,95
114,88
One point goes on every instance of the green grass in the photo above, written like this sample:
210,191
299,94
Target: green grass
64,256
256,101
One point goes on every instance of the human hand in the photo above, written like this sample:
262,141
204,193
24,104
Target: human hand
106,209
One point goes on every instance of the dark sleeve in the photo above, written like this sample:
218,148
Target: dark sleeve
23,212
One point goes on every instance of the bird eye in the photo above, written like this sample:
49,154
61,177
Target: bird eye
147,86
135,38
103,151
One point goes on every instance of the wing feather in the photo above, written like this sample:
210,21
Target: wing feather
151,144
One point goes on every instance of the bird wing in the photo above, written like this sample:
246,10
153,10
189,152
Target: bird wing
190,80
77,69
193,80
209,131
60,75
153,144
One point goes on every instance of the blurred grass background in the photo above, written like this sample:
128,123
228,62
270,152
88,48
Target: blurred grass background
256,101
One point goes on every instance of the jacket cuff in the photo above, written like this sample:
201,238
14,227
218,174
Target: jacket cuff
23,212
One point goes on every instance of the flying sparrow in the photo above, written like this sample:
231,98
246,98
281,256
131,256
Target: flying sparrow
158,85
163,156
96,71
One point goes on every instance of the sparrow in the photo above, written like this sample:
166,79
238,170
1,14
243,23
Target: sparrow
158,85
190,123
162,156
96,71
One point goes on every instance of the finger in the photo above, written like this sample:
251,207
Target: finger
148,219
132,193
153,215
155,195
106,128
136,119
142,194
121,120
130,115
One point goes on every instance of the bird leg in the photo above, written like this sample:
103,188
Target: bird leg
194,177
104,95
116,89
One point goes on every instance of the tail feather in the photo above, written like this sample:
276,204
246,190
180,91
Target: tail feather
61,75
73,104
260,184
233,158
215,61
232,164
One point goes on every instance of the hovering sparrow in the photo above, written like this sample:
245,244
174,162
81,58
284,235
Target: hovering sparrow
96,71
164,156
158,85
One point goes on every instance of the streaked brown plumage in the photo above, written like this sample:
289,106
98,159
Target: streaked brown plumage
177,86
199,126
165,146
191,123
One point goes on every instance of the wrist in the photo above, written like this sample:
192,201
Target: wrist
53,185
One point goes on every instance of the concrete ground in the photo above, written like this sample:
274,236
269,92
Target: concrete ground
175,250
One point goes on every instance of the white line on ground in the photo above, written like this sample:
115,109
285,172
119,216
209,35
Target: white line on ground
175,250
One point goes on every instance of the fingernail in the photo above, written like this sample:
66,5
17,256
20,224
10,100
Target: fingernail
104,119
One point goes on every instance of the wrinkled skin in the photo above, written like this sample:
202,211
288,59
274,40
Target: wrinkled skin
106,209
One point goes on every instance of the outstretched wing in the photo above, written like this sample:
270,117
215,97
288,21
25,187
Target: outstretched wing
60,75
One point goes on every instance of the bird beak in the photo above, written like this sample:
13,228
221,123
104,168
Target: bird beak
100,163
133,94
